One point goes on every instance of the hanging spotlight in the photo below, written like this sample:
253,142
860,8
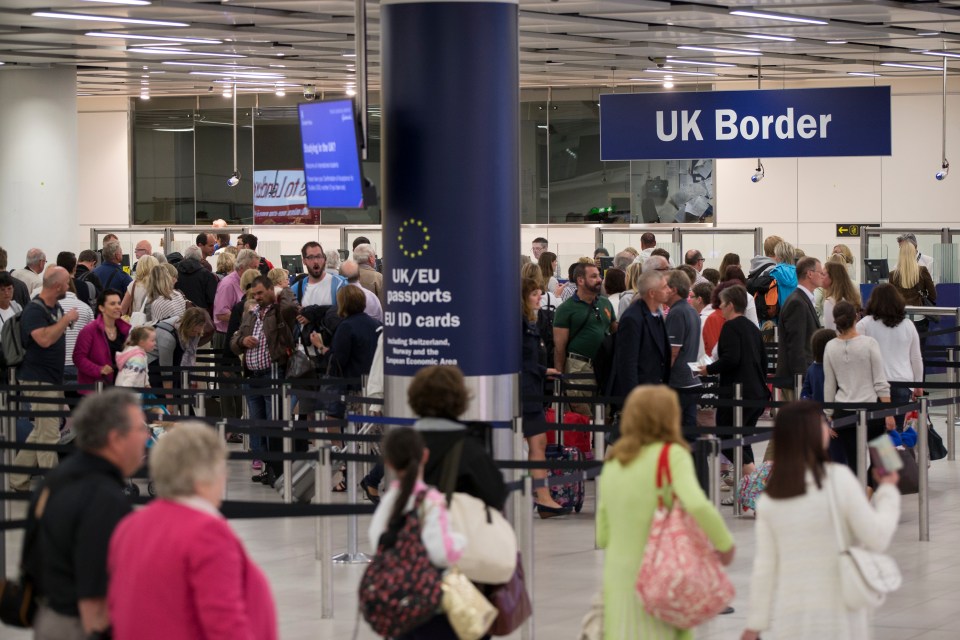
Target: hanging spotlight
234,179
758,176
944,163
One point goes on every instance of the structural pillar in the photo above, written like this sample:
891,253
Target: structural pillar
451,198
39,162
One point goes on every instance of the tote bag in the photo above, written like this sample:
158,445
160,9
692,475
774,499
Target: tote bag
681,581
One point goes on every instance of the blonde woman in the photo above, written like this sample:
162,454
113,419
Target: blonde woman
837,286
914,283
633,277
280,278
163,301
137,289
226,262
844,252
628,500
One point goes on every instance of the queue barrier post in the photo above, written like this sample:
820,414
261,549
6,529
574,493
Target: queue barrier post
951,408
222,434
287,444
708,462
526,554
4,480
558,405
862,448
737,451
353,555
923,456
599,419
184,384
322,475
519,502
202,404
797,386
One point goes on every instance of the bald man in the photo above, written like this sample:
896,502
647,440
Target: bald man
351,271
43,325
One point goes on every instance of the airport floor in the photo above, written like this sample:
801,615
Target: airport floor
568,570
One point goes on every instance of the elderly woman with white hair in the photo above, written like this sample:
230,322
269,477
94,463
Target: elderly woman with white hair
177,569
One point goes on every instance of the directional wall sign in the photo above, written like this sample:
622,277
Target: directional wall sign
787,123
848,230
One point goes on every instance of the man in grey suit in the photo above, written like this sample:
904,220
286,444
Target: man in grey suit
798,321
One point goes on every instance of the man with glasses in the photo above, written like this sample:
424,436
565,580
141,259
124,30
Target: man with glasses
143,248
579,327
798,321
695,259
317,287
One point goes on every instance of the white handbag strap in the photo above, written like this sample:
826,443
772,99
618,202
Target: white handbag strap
835,514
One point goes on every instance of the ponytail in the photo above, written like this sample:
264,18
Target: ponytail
403,450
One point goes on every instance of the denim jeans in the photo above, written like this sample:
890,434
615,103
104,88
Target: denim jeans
259,406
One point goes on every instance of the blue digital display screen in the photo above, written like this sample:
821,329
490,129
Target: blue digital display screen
331,155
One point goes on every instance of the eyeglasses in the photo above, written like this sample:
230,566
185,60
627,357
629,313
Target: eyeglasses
662,269
313,257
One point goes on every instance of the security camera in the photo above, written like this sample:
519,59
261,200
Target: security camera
758,176
309,91
658,60
234,179
944,171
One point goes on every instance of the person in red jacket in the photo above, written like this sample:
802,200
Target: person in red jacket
97,346
177,569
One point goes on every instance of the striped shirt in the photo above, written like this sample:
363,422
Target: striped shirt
258,358
85,318
167,309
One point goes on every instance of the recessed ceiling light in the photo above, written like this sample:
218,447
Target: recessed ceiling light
183,52
137,36
864,74
134,2
206,64
942,54
280,91
682,73
763,36
909,66
238,75
701,63
82,16
668,85
836,42
351,91
279,66
735,52
776,16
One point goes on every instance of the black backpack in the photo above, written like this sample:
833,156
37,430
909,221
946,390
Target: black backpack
766,293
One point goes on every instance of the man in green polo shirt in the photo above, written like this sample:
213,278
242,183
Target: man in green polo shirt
579,327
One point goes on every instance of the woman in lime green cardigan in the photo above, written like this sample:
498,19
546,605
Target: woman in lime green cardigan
628,499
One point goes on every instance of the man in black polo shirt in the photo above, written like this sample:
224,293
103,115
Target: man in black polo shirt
43,326
579,326
83,501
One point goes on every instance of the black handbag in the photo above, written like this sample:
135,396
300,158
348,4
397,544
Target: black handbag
935,444
18,602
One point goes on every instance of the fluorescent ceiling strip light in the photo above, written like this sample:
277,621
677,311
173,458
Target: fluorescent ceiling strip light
205,64
256,84
734,52
836,42
677,72
265,76
864,74
184,52
701,63
909,66
82,16
762,36
942,54
133,2
657,80
174,130
776,16
927,33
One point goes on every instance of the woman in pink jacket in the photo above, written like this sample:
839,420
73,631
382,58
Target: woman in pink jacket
97,346
177,569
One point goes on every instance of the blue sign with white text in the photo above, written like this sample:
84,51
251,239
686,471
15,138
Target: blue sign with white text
787,123
331,155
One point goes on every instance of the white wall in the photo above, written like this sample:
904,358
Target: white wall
802,199
105,168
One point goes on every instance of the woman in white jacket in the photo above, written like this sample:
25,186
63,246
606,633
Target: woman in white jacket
795,588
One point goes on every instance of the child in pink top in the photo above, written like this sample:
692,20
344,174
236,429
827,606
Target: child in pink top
132,361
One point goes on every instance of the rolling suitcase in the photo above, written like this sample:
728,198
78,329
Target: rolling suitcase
303,480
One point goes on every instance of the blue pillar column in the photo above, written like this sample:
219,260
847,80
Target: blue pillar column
451,197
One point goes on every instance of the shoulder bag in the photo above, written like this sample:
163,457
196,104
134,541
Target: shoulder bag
139,317
490,556
512,602
866,577
681,581
469,613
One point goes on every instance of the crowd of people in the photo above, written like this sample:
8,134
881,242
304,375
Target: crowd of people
637,329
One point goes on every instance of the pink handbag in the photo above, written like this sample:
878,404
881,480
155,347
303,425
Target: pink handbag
681,581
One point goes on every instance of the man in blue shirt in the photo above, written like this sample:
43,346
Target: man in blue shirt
110,273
